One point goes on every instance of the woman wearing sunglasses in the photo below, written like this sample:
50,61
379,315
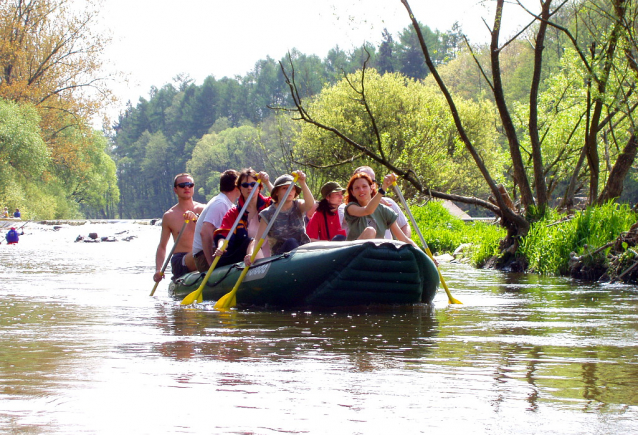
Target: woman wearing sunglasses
249,223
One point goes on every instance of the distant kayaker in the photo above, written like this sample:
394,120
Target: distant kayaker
325,223
172,221
5,213
16,214
288,230
211,219
249,224
365,216
12,237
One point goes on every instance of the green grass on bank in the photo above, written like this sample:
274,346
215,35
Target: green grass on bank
547,246
444,233
551,239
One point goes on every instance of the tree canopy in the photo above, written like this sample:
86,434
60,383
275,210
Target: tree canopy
51,84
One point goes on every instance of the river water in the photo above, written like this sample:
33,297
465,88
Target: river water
84,349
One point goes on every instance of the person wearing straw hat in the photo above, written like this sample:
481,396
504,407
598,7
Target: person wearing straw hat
325,223
288,230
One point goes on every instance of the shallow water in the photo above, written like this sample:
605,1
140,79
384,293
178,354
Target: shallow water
84,349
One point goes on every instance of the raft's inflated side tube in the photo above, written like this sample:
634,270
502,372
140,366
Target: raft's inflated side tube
375,274
327,274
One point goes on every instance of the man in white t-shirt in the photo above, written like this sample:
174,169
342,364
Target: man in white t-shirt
211,218
401,219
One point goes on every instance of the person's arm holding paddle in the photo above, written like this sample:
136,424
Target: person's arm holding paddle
251,246
400,235
265,179
367,206
308,201
160,254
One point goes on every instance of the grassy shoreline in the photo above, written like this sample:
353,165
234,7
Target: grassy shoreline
553,240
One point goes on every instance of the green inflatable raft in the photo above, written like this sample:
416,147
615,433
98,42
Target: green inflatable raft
325,274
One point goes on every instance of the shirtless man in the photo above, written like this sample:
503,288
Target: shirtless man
182,260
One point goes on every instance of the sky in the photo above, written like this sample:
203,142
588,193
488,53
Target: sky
155,40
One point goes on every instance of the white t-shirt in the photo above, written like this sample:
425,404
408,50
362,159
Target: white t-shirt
213,213
401,219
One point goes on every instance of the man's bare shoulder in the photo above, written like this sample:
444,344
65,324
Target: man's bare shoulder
173,218
170,212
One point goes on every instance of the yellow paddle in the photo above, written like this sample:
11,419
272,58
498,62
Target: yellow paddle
197,294
229,300
170,255
425,245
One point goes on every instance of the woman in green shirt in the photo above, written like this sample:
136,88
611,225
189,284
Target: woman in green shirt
366,217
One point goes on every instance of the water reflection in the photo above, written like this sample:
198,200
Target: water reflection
81,342
378,338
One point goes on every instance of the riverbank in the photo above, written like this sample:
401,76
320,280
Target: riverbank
17,222
596,244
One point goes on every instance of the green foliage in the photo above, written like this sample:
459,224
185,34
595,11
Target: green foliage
96,183
185,114
550,241
416,131
23,154
444,232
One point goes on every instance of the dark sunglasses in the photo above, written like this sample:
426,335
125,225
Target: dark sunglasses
183,185
247,185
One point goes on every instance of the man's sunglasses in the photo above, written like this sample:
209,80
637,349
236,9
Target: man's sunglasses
247,185
183,185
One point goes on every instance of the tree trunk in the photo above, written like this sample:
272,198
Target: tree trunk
539,172
621,168
568,197
520,176
591,145
517,226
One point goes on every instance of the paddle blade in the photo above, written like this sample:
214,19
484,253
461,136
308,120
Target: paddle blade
227,301
451,299
197,294
193,296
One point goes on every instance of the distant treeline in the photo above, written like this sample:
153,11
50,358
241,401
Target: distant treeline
233,122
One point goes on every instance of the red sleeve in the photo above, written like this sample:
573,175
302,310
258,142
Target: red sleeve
227,222
312,229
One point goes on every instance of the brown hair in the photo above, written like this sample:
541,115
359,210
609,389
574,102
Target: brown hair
244,174
350,195
183,174
227,180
